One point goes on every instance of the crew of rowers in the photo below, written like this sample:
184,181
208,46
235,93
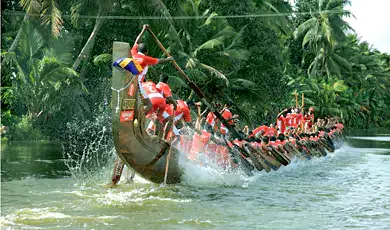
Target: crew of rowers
266,147
208,140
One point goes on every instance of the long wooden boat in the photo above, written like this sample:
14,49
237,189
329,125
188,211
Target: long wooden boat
133,145
148,156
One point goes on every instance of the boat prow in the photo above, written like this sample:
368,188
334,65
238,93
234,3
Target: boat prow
133,145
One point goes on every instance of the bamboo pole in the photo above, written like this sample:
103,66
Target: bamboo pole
303,112
167,165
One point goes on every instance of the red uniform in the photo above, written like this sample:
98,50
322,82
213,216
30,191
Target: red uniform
238,143
339,126
211,150
279,142
271,132
183,145
157,100
199,143
226,114
164,113
223,155
281,124
211,119
182,111
298,118
309,120
259,129
164,89
289,120
142,59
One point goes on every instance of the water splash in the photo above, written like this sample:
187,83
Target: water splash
89,150
211,174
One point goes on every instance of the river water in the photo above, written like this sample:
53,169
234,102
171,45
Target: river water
347,189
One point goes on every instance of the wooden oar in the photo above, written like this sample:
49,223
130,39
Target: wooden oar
194,87
117,172
159,155
303,112
167,165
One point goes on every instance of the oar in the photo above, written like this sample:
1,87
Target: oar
167,165
117,172
193,86
303,112
159,155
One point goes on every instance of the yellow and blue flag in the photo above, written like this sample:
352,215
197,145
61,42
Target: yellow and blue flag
128,64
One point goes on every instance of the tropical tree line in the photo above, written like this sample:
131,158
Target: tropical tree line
258,54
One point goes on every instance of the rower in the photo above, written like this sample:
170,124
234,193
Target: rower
166,115
156,101
228,116
271,131
281,123
309,119
139,53
261,129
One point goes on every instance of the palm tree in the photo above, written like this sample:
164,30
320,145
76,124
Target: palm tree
281,7
46,10
98,8
321,35
43,82
369,75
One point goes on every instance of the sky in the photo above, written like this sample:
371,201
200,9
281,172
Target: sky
372,22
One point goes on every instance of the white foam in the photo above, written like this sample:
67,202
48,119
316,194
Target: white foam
371,138
211,175
135,196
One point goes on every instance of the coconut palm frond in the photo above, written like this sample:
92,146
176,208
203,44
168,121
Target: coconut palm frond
51,15
215,73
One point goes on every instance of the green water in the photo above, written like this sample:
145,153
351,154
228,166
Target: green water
347,189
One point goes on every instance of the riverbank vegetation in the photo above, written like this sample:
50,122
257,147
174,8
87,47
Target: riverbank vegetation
56,58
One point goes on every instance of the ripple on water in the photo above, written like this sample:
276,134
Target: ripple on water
349,188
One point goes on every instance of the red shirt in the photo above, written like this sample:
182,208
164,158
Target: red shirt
289,120
226,114
271,132
183,110
199,142
298,119
281,124
150,88
164,89
279,142
339,126
211,120
142,59
259,129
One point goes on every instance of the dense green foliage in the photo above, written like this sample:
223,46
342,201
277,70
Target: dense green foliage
56,58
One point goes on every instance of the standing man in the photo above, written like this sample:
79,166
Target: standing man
139,53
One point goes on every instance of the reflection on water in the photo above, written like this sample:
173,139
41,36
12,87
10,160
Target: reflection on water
32,159
348,189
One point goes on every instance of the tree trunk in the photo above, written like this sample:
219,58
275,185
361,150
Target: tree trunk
86,51
17,38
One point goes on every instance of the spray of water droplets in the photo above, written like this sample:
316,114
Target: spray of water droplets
89,148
